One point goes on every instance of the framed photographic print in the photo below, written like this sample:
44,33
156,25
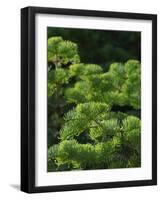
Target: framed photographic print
88,99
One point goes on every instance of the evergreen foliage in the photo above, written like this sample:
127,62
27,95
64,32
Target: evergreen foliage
85,131
62,52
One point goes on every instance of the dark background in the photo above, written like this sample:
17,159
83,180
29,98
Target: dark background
102,46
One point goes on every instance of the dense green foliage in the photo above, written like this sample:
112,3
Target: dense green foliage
93,120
